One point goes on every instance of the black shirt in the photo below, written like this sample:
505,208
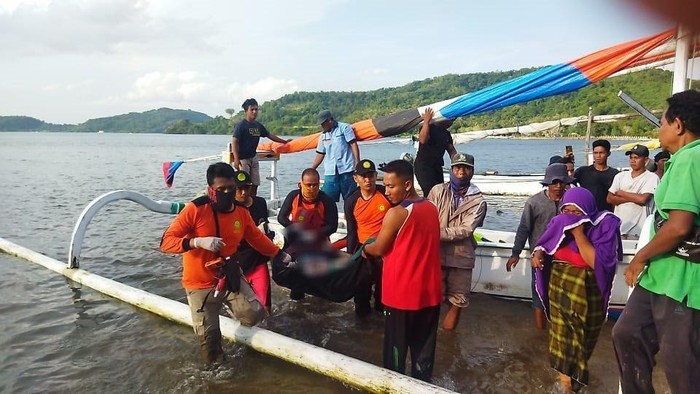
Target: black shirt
248,135
597,182
432,152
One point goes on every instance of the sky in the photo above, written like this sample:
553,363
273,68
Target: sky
69,61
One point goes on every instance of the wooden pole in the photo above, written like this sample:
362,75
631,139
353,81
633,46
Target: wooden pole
587,148
346,369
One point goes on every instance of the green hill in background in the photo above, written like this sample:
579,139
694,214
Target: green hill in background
295,114
153,121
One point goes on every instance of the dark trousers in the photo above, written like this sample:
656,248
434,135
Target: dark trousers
415,331
428,176
370,275
651,323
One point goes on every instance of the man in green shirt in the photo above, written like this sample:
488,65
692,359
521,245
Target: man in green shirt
663,311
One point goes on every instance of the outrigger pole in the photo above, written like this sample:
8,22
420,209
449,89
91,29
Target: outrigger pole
346,369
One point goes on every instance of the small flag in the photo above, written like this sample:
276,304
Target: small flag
169,168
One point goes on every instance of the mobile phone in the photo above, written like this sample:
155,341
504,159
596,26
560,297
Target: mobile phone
568,150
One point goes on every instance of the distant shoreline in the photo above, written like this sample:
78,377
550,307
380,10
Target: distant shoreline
593,138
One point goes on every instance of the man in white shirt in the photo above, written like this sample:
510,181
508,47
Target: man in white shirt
632,193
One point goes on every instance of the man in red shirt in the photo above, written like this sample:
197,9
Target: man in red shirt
409,240
211,228
364,213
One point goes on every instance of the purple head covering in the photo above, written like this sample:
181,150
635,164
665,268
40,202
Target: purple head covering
601,227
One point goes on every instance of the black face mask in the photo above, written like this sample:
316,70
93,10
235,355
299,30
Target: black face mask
221,201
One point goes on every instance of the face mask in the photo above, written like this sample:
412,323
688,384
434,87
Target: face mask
457,183
308,193
220,200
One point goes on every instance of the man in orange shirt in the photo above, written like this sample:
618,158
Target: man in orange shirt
364,213
311,210
210,228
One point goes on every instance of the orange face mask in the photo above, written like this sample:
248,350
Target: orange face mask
309,193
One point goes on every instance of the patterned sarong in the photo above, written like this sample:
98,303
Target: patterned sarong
576,319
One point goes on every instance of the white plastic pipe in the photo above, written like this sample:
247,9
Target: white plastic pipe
337,366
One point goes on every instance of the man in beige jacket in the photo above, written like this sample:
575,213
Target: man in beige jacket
461,209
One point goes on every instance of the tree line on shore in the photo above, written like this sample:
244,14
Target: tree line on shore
295,113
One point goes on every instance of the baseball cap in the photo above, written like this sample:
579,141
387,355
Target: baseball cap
324,116
365,166
463,158
639,150
242,178
664,154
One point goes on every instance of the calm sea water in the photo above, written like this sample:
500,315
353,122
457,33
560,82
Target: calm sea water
56,336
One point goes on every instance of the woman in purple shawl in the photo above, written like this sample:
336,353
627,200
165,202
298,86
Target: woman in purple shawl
576,258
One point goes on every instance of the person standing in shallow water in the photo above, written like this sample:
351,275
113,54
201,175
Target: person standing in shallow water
409,240
538,211
663,311
575,261
211,228
433,140
461,209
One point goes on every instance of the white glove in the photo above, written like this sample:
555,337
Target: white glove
212,244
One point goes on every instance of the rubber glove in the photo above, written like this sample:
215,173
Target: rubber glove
212,244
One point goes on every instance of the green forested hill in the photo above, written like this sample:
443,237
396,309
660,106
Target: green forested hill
153,121
295,113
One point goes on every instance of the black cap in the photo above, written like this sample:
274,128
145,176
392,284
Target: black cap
664,154
462,158
555,159
242,178
639,150
324,116
365,166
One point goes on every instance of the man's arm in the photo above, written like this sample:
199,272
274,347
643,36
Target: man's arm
286,210
317,160
451,150
175,238
394,219
330,216
474,219
424,134
277,139
677,227
257,239
637,198
236,156
351,222
527,219
355,151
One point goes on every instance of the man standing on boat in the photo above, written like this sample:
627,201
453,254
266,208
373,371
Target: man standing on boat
337,146
539,209
409,240
244,143
433,140
461,209
312,210
208,231
364,213
632,193
663,311
598,177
